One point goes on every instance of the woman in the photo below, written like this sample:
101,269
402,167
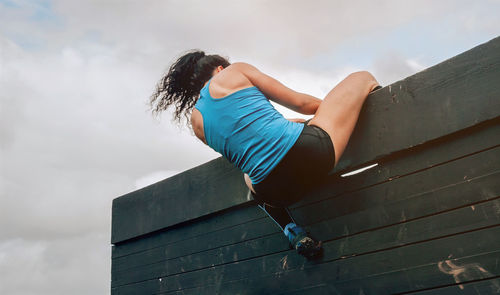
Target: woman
229,110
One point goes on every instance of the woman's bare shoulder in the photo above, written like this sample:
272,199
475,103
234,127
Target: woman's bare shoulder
241,65
229,80
234,74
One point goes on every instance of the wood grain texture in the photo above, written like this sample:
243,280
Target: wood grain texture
195,228
373,237
205,189
434,210
420,265
481,286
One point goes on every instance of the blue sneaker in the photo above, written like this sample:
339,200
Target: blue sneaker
301,242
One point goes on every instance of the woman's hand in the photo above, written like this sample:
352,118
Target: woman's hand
297,120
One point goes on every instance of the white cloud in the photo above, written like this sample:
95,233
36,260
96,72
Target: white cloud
393,66
78,132
58,267
415,65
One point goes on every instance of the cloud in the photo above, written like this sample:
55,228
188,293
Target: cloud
60,266
393,66
79,133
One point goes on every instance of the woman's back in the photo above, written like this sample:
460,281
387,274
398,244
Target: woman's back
243,125
227,81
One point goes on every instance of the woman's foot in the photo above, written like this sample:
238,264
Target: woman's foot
302,242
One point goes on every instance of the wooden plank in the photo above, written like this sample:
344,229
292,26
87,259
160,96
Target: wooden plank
464,219
195,291
388,272
232,235
385,272
163,266
273,243
215,222
388,211
438,101
485,286
466,193
434,274
402,188
454,147
233,244
205,189
480,215
321,289
461,220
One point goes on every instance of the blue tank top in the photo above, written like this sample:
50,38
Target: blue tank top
247,130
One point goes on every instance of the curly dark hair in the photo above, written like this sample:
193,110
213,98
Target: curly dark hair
181,86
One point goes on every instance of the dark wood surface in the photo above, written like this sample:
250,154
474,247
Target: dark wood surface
198,227
380,220
481,286
205,189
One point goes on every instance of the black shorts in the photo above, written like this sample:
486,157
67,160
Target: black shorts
306,163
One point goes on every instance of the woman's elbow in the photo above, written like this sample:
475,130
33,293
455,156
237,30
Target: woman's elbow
310,107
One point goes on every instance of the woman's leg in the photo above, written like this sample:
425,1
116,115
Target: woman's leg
339,111
279,215
297,236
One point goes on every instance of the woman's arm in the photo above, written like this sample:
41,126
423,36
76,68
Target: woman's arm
197,123
297,120
276,91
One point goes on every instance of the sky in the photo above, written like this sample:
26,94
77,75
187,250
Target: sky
75,78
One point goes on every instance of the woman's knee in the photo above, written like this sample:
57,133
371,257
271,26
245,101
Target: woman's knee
364,78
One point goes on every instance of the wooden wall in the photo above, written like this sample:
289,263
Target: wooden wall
426,220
